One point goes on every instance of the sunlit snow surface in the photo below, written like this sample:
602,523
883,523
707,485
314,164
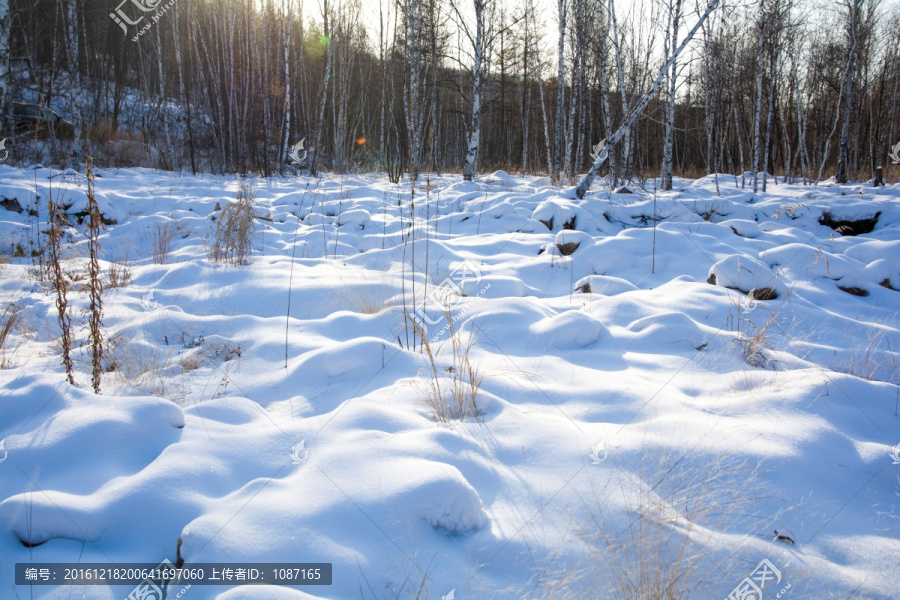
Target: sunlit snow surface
630,411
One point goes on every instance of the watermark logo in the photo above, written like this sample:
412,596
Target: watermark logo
751,588
148,303
752,303
451,595
294,154
895,454
5,151
447,293
895,154
152,587
122,19
595,153
3,452
598,453
299,453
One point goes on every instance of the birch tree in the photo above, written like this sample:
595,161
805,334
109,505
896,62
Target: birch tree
586,181
757,113
286,10
854,8
75,74
413,59
562,9
773,61
4,54
320,121
671,42
478,47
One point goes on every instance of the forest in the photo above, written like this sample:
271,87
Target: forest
801,90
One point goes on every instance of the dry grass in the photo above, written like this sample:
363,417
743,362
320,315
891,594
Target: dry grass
757,346
9,319
162,238
878,359
368,292
118,274
142,367
650,546
236,229
451,391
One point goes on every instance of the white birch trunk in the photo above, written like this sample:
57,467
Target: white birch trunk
560,90
669,148
472,154
588,179
855,7
757,115
167,153
320,122
75,73
773,57
286,11
4,54
625,154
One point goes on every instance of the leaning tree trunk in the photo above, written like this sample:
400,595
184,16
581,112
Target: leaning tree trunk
586,181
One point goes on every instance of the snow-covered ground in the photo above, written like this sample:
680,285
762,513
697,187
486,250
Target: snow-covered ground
638,418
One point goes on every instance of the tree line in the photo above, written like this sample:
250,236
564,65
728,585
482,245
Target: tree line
801,90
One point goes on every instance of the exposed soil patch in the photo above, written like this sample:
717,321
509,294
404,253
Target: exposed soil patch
568,248
854,290
849,226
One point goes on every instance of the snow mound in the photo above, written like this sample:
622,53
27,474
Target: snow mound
748,275
604,285
555,213
743,227
571,329
448,503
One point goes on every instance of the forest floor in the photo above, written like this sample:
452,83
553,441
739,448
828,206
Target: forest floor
641,420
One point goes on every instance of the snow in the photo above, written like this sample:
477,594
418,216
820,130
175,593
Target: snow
619,387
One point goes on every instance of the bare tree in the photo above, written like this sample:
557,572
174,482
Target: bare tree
286,11
478,48
854,8
614,139
562,9
671,56
4,53
757,113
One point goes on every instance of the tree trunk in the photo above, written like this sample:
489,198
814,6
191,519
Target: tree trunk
4,54
757,115
670,43
853,25
560,91
773,56
588,179
315,151
469,168
286,10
